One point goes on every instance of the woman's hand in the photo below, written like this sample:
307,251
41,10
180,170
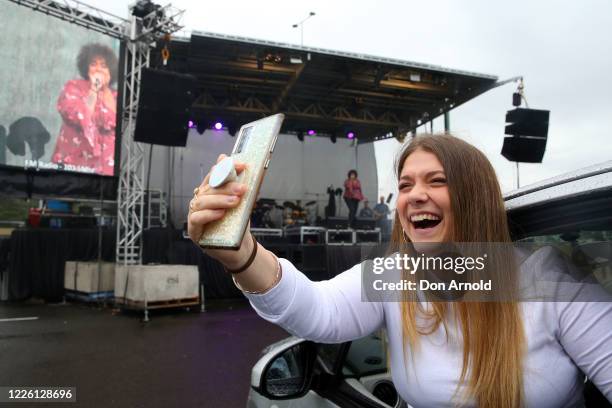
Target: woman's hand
210,204
108,99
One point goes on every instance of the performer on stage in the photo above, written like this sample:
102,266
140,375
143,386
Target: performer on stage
88,109
352,194
366,212
380,215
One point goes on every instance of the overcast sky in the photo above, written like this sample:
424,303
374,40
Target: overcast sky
562,48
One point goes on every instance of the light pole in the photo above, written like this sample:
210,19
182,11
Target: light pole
301,25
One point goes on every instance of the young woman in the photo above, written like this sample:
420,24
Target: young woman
503,354
352,194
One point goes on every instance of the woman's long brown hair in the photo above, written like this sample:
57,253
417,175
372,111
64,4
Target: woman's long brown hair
493,335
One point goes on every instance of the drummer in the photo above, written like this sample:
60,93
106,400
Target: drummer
366,212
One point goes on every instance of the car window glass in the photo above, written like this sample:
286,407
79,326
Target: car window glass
366,356
328,355
589,250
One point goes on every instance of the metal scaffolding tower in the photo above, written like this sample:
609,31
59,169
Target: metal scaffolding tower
130,197
139,35
130,200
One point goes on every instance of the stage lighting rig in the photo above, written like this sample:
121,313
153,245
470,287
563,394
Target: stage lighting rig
154,20
273,57
143,8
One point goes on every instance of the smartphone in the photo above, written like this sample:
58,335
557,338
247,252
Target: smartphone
254,146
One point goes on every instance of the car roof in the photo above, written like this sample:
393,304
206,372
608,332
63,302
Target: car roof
578,182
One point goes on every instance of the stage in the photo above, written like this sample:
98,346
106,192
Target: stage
35,259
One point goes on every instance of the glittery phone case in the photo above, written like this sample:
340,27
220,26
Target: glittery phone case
254,146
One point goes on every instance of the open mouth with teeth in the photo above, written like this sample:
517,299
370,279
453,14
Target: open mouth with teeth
424,221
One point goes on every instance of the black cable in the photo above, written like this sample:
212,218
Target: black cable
170,180
100,239
149,166
147,192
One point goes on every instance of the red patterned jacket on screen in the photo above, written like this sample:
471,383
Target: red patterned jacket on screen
85,139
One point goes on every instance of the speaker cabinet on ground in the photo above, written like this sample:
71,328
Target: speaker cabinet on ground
164,106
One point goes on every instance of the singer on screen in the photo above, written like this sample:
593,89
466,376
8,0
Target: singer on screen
88,110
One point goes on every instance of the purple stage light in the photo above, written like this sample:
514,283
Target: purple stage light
311,132
350,135
190,124
218,126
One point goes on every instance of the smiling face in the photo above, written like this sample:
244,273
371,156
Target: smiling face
423,203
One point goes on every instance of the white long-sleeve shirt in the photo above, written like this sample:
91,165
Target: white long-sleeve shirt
564,339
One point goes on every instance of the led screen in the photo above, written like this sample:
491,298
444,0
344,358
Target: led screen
58,98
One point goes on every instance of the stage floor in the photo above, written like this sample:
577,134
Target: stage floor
180,359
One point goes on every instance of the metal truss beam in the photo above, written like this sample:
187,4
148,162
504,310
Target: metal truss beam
285,92
81,14
313,111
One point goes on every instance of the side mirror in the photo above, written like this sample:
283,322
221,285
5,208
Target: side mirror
288,374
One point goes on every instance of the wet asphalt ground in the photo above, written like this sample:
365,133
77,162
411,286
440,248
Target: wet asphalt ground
177,359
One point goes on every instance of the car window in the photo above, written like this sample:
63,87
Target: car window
577,237
328,355
589,250
366,356
579,226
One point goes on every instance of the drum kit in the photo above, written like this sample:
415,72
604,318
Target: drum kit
294,213
268,214
263,214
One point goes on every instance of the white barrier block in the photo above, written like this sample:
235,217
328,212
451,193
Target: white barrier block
156,283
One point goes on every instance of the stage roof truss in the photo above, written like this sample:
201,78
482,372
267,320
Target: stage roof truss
81,14
242,79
